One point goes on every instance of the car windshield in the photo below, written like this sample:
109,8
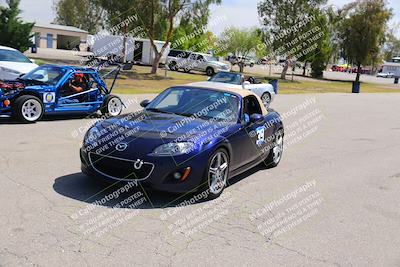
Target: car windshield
227,77
45,74
198,103
13,56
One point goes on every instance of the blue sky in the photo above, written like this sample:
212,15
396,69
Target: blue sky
239,13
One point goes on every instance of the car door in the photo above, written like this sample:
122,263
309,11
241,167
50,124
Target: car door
85,101
201,63
258,133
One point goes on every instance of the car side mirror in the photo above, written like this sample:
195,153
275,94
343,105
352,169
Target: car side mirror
246,118
256,118
145,103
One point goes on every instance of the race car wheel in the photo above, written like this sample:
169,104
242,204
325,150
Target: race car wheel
172,66
275,154
217,173
112,106
28,109
266,99
210,71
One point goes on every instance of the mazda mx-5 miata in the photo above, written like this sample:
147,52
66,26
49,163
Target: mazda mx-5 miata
188,138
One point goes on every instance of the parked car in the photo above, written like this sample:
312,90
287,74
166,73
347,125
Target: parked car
13,63
44,91
238,81
246,60
187,61
385,75
263,61
188,138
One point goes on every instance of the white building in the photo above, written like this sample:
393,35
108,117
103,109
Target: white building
54,36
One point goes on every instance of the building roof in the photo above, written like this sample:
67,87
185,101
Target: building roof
60,27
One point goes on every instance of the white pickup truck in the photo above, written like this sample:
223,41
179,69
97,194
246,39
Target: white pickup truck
187,61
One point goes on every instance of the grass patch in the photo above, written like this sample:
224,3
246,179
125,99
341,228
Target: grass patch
139,81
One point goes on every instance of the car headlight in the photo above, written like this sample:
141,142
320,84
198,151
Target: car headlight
174,149
92,135
10,71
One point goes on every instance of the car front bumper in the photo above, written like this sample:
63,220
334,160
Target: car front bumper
156,172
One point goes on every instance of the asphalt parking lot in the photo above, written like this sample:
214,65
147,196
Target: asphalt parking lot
333,200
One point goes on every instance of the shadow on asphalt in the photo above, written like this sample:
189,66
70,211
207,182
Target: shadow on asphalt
83,188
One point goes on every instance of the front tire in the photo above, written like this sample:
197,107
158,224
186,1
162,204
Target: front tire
217,173
28,109
173,66
112,106
275,154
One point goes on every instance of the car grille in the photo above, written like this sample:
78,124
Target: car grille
120,169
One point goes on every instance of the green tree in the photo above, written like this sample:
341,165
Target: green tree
13,31
121,17
84,14
240,42
156,17
362,30
191,33
320,56
392,46
283,22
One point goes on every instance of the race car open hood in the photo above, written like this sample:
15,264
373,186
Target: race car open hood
21,67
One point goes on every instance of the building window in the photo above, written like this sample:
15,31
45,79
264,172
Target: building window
49,40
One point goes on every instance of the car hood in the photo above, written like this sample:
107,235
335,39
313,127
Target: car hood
145,131
154,125
21,67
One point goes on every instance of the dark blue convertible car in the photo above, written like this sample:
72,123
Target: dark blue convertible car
46,91
188,138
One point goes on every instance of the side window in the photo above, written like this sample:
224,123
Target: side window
173,53
251,105
200,57
171,100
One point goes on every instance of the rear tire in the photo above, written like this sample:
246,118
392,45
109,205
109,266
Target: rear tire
266,99
210,71
28,109
275,154
112,106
